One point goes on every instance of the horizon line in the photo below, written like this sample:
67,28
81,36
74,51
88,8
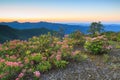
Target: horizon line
80,22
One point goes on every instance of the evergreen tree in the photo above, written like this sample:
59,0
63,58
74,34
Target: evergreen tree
96,28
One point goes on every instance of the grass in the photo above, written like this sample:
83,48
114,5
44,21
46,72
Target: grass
106,58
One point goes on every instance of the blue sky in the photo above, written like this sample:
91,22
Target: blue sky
60,10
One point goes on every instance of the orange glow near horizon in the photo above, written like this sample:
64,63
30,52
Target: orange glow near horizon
59,19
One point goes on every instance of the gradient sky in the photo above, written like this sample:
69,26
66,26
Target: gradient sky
60,10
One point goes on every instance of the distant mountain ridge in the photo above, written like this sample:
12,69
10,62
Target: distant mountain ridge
112,27
55,26
52,26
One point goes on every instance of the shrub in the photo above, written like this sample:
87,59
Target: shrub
97,45
77,38
111,35
118,36
44,66
36,57
60,64
37,54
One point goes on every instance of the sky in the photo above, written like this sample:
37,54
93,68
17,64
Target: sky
60,10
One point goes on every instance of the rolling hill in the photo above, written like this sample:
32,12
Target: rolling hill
8,33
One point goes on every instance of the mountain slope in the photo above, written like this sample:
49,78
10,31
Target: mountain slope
8,33
28,33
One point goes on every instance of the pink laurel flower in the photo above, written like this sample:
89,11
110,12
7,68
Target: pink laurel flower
21,75
59,42
17,79
58,57
59,52
7,55
44,58
13,64
109,47
2,60
32,62
52,56
37,74
75,53
2,75
24,70
65,46
13,57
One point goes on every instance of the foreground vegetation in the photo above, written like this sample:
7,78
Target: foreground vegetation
21,59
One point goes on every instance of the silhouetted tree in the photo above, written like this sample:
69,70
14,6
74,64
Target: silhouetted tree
96,28
60,33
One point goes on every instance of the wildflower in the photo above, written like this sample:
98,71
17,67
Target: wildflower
13,57
6,48
65,41
1,76
109,47
26,61
2,60
44,58
21,65
32,62
58,57
17,79
0,48
75,52
58,52
46,50
59,42
94,39
13,64
12,46
52,56
7,55
52,45
37,74
21,75
71,46
24,70
65,46
30,70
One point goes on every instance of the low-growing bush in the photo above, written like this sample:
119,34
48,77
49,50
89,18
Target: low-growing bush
38,54
77,38
60,64
97,45
44,66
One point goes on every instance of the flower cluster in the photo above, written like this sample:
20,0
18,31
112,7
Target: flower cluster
37,74
38,54
97,45
13,64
